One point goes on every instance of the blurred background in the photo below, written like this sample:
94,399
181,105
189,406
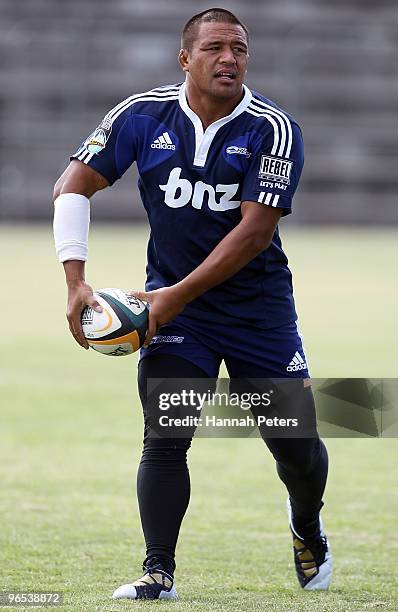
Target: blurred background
333,65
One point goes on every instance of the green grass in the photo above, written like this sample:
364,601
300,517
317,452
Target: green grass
70,438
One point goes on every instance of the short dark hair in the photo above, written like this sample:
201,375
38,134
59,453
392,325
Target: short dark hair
218,15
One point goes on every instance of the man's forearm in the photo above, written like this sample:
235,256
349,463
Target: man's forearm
237,248
234,252
74,272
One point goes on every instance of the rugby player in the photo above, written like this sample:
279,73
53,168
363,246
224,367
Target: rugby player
218,165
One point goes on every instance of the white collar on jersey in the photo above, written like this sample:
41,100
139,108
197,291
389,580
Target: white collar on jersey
203,139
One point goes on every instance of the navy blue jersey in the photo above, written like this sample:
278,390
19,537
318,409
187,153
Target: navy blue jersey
192,183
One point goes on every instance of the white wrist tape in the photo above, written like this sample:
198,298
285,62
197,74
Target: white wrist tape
71,223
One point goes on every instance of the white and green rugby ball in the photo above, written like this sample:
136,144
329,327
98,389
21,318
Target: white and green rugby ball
121,326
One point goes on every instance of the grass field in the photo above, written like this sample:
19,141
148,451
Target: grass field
70,441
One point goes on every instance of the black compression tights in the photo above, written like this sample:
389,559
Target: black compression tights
163,484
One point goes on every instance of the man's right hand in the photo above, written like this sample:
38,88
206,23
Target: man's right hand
80,295
78,179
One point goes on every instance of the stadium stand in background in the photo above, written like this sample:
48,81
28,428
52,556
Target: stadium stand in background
331,64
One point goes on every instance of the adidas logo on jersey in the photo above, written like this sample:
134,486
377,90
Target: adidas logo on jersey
297,363
163,142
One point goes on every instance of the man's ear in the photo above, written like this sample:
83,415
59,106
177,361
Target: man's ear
183,60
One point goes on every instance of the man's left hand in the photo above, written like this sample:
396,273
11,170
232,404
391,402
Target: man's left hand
165,304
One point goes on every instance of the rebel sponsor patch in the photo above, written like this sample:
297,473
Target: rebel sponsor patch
273,185
275,169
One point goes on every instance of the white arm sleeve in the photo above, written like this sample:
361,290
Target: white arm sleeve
71,224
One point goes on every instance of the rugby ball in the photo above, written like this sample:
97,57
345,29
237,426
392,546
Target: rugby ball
121,326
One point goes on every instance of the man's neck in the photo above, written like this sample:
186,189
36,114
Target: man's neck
210,109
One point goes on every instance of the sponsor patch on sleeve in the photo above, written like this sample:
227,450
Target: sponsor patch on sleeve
98,139
275,169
